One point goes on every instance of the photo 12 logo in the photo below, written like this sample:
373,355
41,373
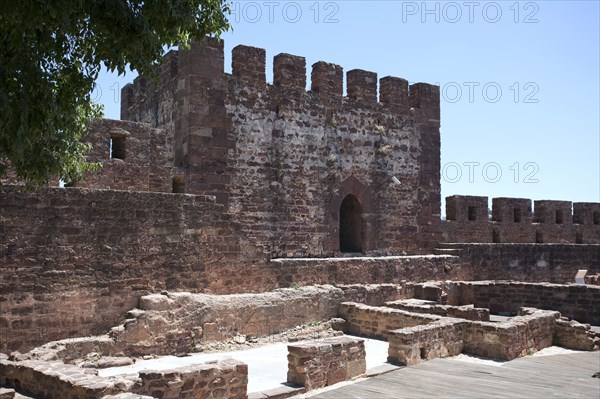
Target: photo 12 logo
114,91
453,12
253,12
489,92
490,172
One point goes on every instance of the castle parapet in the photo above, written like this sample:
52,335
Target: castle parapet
362,85
558,212
514,222
511,210
289,71
249,64
586,213
327,79
427,98
462,208
393,91
205,59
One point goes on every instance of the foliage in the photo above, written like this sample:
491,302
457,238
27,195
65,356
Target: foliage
51,52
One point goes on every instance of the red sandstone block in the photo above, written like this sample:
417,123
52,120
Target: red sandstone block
327,79
393,91
362,85
249,63
289,71
242,369
337,375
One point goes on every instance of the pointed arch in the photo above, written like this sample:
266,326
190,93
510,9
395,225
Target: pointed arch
363,195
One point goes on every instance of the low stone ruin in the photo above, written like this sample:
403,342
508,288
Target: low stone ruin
419,321
322,363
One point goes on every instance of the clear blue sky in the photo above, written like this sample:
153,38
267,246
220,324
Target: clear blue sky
520,81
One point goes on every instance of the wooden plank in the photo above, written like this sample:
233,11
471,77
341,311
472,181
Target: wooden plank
532,377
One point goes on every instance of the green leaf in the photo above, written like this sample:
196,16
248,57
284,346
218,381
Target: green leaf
51,53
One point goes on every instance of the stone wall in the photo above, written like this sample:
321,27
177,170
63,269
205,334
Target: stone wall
508,340
74,261
326,362
377,322
134,157
376,294
513,221
419,306
555,263
174,323
374,270
55,380
574,335
415,336
411,345
219,379
578,302
283,159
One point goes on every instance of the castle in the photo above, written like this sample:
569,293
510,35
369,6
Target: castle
221,183
303,173
310,173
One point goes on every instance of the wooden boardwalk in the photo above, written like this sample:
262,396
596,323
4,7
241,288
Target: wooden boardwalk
559,376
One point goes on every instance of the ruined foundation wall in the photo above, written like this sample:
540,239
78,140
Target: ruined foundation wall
218,379
574,335
411,345
462,312
520,336
327,362
579,302
54,380
377,322
173,323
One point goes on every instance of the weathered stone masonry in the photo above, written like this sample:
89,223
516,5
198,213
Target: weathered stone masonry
75,260
270,171
514,221
283,159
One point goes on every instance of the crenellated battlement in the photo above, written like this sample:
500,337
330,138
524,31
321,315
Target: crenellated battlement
259,146
213,179
515,220
205,60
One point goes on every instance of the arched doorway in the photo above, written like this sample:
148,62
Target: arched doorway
351,225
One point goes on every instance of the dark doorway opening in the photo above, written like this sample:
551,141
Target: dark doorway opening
178,184
351,225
